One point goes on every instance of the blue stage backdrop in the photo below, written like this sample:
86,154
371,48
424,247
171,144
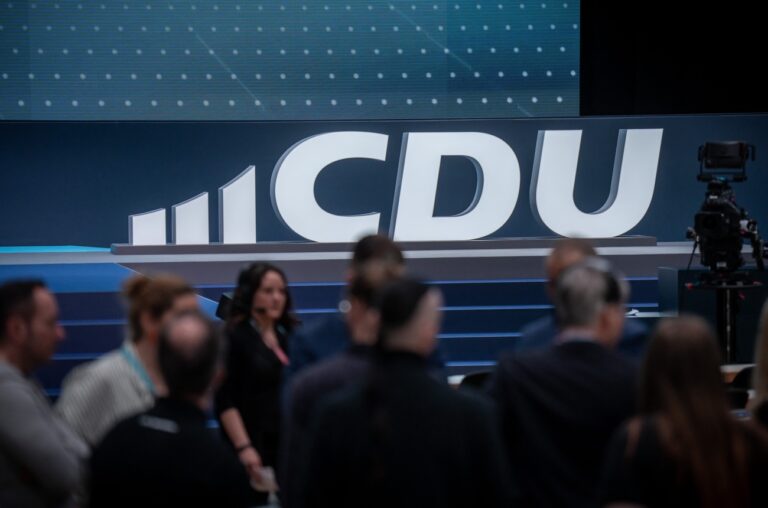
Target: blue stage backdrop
67,183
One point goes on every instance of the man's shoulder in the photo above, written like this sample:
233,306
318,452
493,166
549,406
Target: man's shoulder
97,376
102,369
340,365
604,359
17,390
319,380
10,375
537,334
156,426
520,360
563,358
340,402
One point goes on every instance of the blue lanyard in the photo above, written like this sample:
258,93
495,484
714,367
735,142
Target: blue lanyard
138,368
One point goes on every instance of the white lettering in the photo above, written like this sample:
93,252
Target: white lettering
498,177
632,184
293,185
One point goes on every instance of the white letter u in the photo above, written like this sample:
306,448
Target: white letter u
554,180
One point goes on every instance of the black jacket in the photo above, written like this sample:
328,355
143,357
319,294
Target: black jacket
252,386
559,408
166,457
308,389
404,439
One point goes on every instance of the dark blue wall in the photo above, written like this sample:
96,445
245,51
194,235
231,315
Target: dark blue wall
76,183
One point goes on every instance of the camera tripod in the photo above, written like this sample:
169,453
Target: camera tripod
728,287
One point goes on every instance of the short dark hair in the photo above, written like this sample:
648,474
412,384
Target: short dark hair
376,247
397,303
371,277
568,245
189,368
17,298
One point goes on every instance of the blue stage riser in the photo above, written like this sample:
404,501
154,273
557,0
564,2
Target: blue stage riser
462,293
481,317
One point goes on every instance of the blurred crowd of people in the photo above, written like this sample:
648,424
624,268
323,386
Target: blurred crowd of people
588,408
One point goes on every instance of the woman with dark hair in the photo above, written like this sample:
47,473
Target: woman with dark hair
402,438
248,403
685,449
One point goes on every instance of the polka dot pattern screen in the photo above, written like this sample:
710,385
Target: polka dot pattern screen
287,60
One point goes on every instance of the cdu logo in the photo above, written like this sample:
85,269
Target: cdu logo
498,177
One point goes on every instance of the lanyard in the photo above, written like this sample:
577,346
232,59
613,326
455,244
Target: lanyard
138,368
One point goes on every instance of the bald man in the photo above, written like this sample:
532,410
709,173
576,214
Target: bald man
167,456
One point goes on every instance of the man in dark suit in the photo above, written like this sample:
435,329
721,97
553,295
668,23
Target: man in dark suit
560,405
403,438
166,456
540,333
332,335
345,368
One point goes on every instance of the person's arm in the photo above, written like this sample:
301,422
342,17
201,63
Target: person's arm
229,415
235,429
41,445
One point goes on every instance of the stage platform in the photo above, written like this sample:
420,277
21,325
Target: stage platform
492,287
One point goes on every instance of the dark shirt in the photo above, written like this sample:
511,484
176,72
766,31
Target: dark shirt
319,380
252,386
640,471
166,457
404,439
540,334
559,408
309,388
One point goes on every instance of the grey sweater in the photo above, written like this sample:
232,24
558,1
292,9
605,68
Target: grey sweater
41,459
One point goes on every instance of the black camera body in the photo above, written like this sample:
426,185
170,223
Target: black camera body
721,225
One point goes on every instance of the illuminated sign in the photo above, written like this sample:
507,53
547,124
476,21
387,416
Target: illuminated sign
495,197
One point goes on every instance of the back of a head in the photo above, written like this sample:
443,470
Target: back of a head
17,298
681,386
370,278
682,368
154,296
189,352
378,248
398,303
565,246
583,290
567,252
